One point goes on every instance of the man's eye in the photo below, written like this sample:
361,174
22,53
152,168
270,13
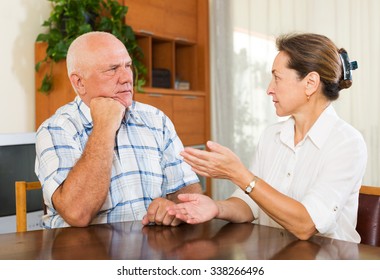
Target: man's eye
112,70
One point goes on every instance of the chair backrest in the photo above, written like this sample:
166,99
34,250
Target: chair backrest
21,204
368,225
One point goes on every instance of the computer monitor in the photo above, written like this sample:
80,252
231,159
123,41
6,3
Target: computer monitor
17,159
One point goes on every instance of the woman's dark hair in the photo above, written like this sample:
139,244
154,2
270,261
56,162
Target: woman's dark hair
313,52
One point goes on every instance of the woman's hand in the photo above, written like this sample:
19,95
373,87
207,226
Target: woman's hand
157,213
220,162
194,209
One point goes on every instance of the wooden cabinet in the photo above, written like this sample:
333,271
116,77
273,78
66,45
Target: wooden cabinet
175,19
189,118
186,111
62,93
163,102
174,36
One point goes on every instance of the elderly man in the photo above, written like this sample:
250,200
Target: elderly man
103,157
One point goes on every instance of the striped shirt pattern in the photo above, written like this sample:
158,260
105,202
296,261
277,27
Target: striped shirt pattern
146,162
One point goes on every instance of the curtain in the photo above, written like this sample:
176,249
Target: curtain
242,46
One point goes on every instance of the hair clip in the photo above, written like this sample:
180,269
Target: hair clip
348,66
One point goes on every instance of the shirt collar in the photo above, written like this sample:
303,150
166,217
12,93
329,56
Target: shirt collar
318,133
84,111
132,115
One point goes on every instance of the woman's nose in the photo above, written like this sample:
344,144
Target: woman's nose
270,88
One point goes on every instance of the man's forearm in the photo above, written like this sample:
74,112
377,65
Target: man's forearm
86,186
193,188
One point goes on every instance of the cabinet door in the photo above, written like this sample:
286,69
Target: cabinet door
145,16
189,119
160,101
181,19
175,19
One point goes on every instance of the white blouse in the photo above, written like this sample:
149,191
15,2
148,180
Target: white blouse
324,172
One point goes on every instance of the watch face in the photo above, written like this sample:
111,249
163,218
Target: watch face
251,185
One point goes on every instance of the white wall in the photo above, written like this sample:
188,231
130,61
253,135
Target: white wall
20,23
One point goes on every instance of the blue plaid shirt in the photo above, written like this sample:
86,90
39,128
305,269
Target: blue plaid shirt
146,163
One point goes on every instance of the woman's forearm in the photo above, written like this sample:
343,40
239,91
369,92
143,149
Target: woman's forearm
234,210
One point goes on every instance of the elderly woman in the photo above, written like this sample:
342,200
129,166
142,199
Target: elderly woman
308,169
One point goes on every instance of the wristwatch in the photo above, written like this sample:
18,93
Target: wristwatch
249,188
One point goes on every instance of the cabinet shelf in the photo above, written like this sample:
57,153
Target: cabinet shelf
172,91
177,58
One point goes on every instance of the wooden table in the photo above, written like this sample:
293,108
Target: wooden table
215,240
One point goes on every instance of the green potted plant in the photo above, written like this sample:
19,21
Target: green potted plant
71,18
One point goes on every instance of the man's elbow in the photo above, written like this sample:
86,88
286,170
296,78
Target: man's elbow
78,219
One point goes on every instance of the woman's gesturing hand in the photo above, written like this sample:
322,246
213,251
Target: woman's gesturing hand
220,162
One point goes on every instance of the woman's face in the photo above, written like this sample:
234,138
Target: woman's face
286,88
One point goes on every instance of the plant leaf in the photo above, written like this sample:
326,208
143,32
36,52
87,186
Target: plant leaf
47,84
37,66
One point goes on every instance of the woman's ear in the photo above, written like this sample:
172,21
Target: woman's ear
77,82
312,82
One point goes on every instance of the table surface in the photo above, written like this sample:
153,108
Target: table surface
214,240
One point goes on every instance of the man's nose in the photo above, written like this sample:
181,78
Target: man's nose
126,74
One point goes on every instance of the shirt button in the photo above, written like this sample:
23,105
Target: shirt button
289,174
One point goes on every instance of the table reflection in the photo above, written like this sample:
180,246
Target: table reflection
199,242
78,243
191,242
213,240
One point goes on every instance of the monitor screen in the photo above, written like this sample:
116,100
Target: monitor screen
17,158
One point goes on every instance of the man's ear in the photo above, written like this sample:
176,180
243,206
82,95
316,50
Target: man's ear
312,82
77,82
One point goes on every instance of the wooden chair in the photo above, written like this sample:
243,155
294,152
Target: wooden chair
21,204
368,224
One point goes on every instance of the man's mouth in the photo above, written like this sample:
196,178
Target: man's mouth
124,92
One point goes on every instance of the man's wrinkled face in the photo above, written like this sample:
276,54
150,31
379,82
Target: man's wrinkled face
108,73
